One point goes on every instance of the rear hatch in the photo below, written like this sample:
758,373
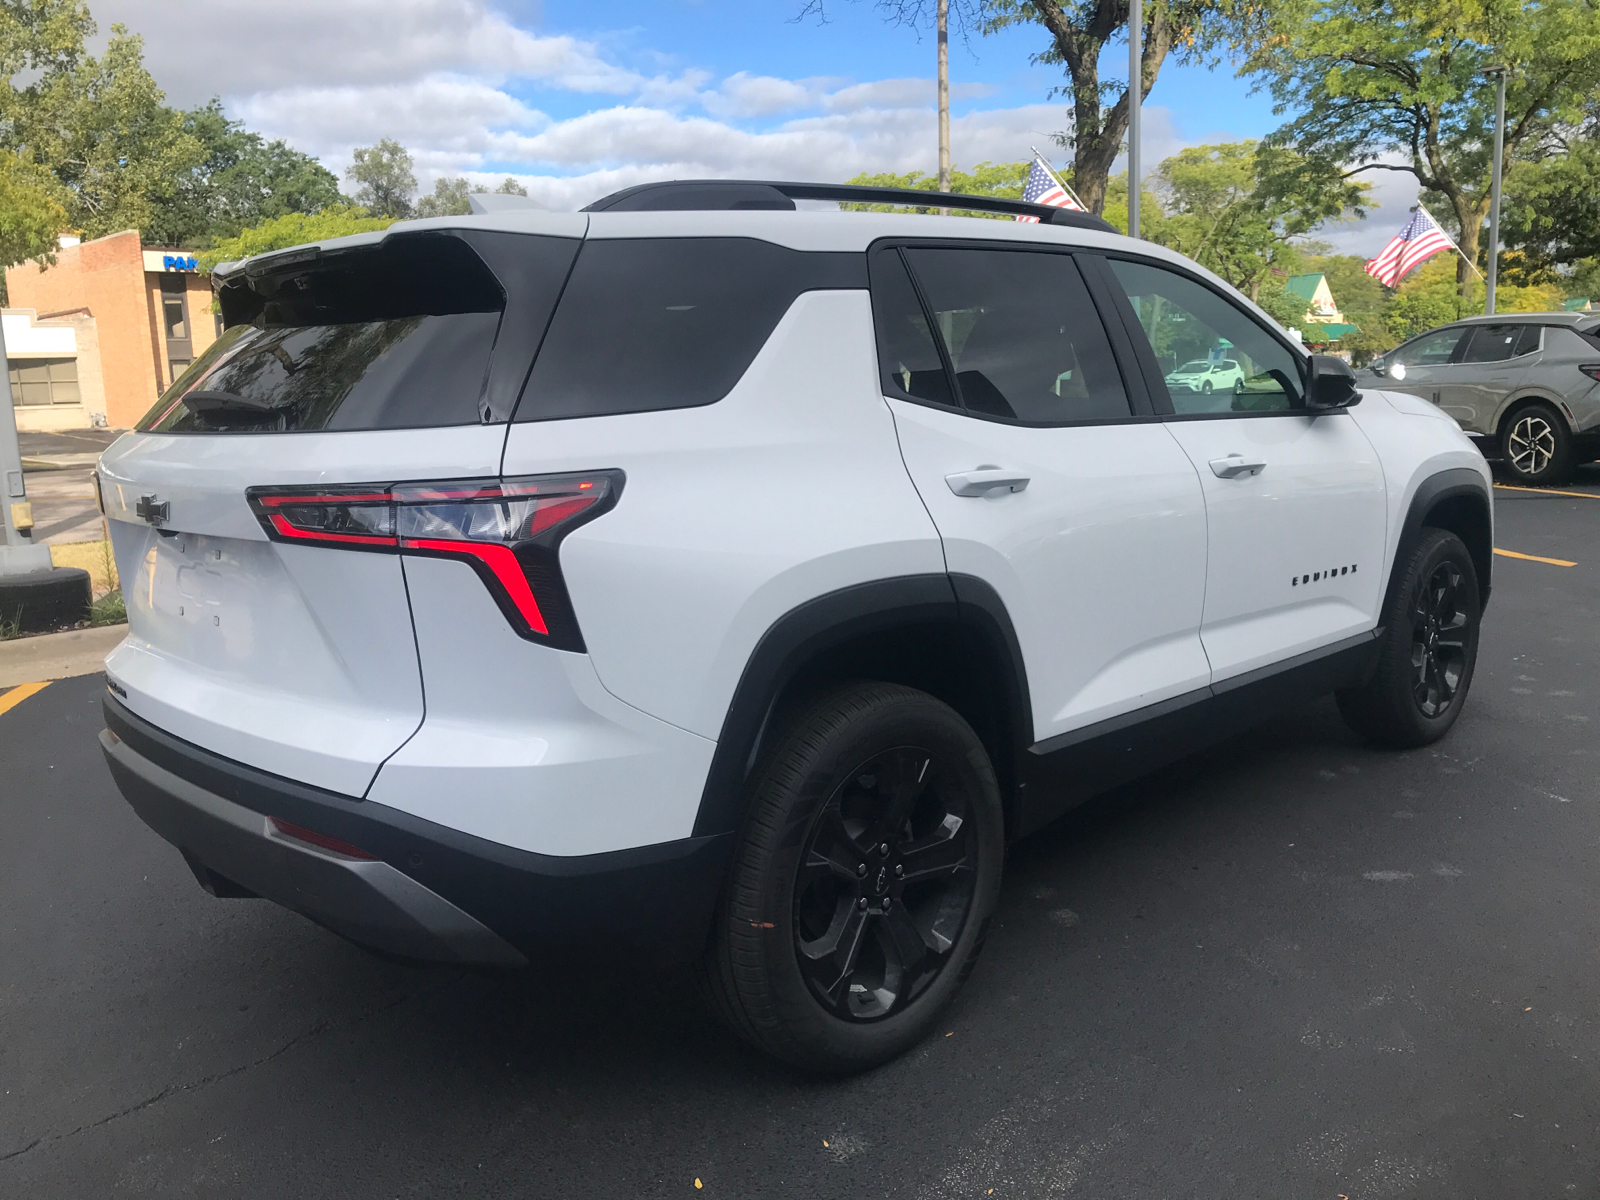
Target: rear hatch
359,364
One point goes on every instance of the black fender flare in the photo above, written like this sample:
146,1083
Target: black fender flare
1431,492
811,629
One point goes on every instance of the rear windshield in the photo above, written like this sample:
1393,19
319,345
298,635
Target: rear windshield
393,337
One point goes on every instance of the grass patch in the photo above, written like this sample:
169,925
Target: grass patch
93,557
12,628
109,610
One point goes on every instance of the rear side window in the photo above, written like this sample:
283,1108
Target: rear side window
908,356
1497,343
1022,334
395,336
658,323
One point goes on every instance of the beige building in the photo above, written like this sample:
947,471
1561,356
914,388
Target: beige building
149,311
54,364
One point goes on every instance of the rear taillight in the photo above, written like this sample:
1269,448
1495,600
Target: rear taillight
509,531
1592,370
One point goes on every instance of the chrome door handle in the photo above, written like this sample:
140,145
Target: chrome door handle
1234,466
984,481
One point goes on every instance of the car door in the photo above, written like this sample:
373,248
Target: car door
1295,502
1082,514
1429,363
1494,359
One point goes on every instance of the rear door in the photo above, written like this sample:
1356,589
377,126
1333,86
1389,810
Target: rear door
1494,360
341,373
1295,503
1044,482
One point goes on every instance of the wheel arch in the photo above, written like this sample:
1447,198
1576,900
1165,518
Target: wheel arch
1456,500
1524,400
949,635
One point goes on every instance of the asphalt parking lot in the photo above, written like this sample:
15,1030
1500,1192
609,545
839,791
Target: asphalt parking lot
1295,967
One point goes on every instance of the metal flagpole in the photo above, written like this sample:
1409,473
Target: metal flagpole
1494,189
1135,96
1056,175
1452,241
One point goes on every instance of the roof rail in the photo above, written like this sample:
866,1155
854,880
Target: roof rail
704,195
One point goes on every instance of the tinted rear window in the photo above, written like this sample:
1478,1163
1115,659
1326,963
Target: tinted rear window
396,336
657,323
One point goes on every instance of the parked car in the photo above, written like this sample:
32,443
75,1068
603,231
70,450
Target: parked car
1526,385
681,579
1207,376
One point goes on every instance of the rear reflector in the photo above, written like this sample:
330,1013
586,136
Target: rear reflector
508,531
1592,370
321,840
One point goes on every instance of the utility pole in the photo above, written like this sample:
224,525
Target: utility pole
1135,97
18,555
1494,186
943,22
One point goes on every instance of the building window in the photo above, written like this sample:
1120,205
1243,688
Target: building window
174,306
44,381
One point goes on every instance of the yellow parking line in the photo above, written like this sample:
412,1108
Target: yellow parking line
1554,562
1508,487
20,693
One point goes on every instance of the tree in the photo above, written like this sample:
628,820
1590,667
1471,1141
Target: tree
1407,78
99,125
449,199
241,181
1239,207
1004,180
510,187
1551,212
294,229
1080,30
384,173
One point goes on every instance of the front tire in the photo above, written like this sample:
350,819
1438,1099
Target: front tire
863,882
1537,446
1429,649
1206,386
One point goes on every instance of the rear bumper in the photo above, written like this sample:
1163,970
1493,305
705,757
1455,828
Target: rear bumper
429,892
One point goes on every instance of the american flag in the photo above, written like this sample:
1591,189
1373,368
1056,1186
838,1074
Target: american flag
1042,188
1419,241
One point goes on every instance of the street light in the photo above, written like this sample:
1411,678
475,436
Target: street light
1135,95
1494,185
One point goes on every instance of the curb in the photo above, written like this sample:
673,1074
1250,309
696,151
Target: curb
57,655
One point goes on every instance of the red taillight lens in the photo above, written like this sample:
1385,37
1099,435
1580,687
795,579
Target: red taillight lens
508,530
320,840
1592,370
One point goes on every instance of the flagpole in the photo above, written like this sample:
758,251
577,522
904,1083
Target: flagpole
1451,240
1056,175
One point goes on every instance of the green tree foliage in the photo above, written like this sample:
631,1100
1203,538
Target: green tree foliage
510,187
242,180
1407,78
1002,180
294,229
448,199
383,173
1551,211
1238,208
1282,305
98,125
1079,31
31,214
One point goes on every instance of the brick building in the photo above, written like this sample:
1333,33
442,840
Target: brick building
151,314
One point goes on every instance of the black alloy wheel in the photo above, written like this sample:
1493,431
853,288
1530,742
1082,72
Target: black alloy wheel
863,881
1439,641
1427,648
885,884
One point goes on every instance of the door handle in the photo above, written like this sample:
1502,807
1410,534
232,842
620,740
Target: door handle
984,481
1234,466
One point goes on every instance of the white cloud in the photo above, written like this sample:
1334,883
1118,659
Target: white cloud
1393,193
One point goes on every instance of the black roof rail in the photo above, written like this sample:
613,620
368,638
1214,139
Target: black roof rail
721,195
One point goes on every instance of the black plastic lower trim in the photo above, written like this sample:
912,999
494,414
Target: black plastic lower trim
655,901
1063,771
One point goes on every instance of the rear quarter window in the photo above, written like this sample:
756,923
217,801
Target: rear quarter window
659,323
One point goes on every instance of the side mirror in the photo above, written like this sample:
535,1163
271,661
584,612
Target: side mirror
1331,384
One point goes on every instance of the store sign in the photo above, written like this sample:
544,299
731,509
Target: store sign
177,262
168,261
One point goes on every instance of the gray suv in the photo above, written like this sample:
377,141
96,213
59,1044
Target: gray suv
1526,383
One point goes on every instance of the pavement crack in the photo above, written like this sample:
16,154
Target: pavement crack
318,1028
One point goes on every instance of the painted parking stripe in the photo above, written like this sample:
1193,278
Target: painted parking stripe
1506,487
1554,562
18,694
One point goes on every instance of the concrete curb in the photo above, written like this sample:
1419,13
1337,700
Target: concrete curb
57,655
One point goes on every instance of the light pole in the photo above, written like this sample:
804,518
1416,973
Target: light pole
18,556
1494,185
1135,95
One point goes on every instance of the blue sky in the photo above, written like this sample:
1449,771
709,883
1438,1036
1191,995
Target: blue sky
577,99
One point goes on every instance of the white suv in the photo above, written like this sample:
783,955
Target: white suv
705,579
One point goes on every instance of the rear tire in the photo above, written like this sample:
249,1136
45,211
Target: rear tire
863,882
1429,649
1537,446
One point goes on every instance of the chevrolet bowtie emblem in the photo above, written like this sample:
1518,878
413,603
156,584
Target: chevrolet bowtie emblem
150,510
